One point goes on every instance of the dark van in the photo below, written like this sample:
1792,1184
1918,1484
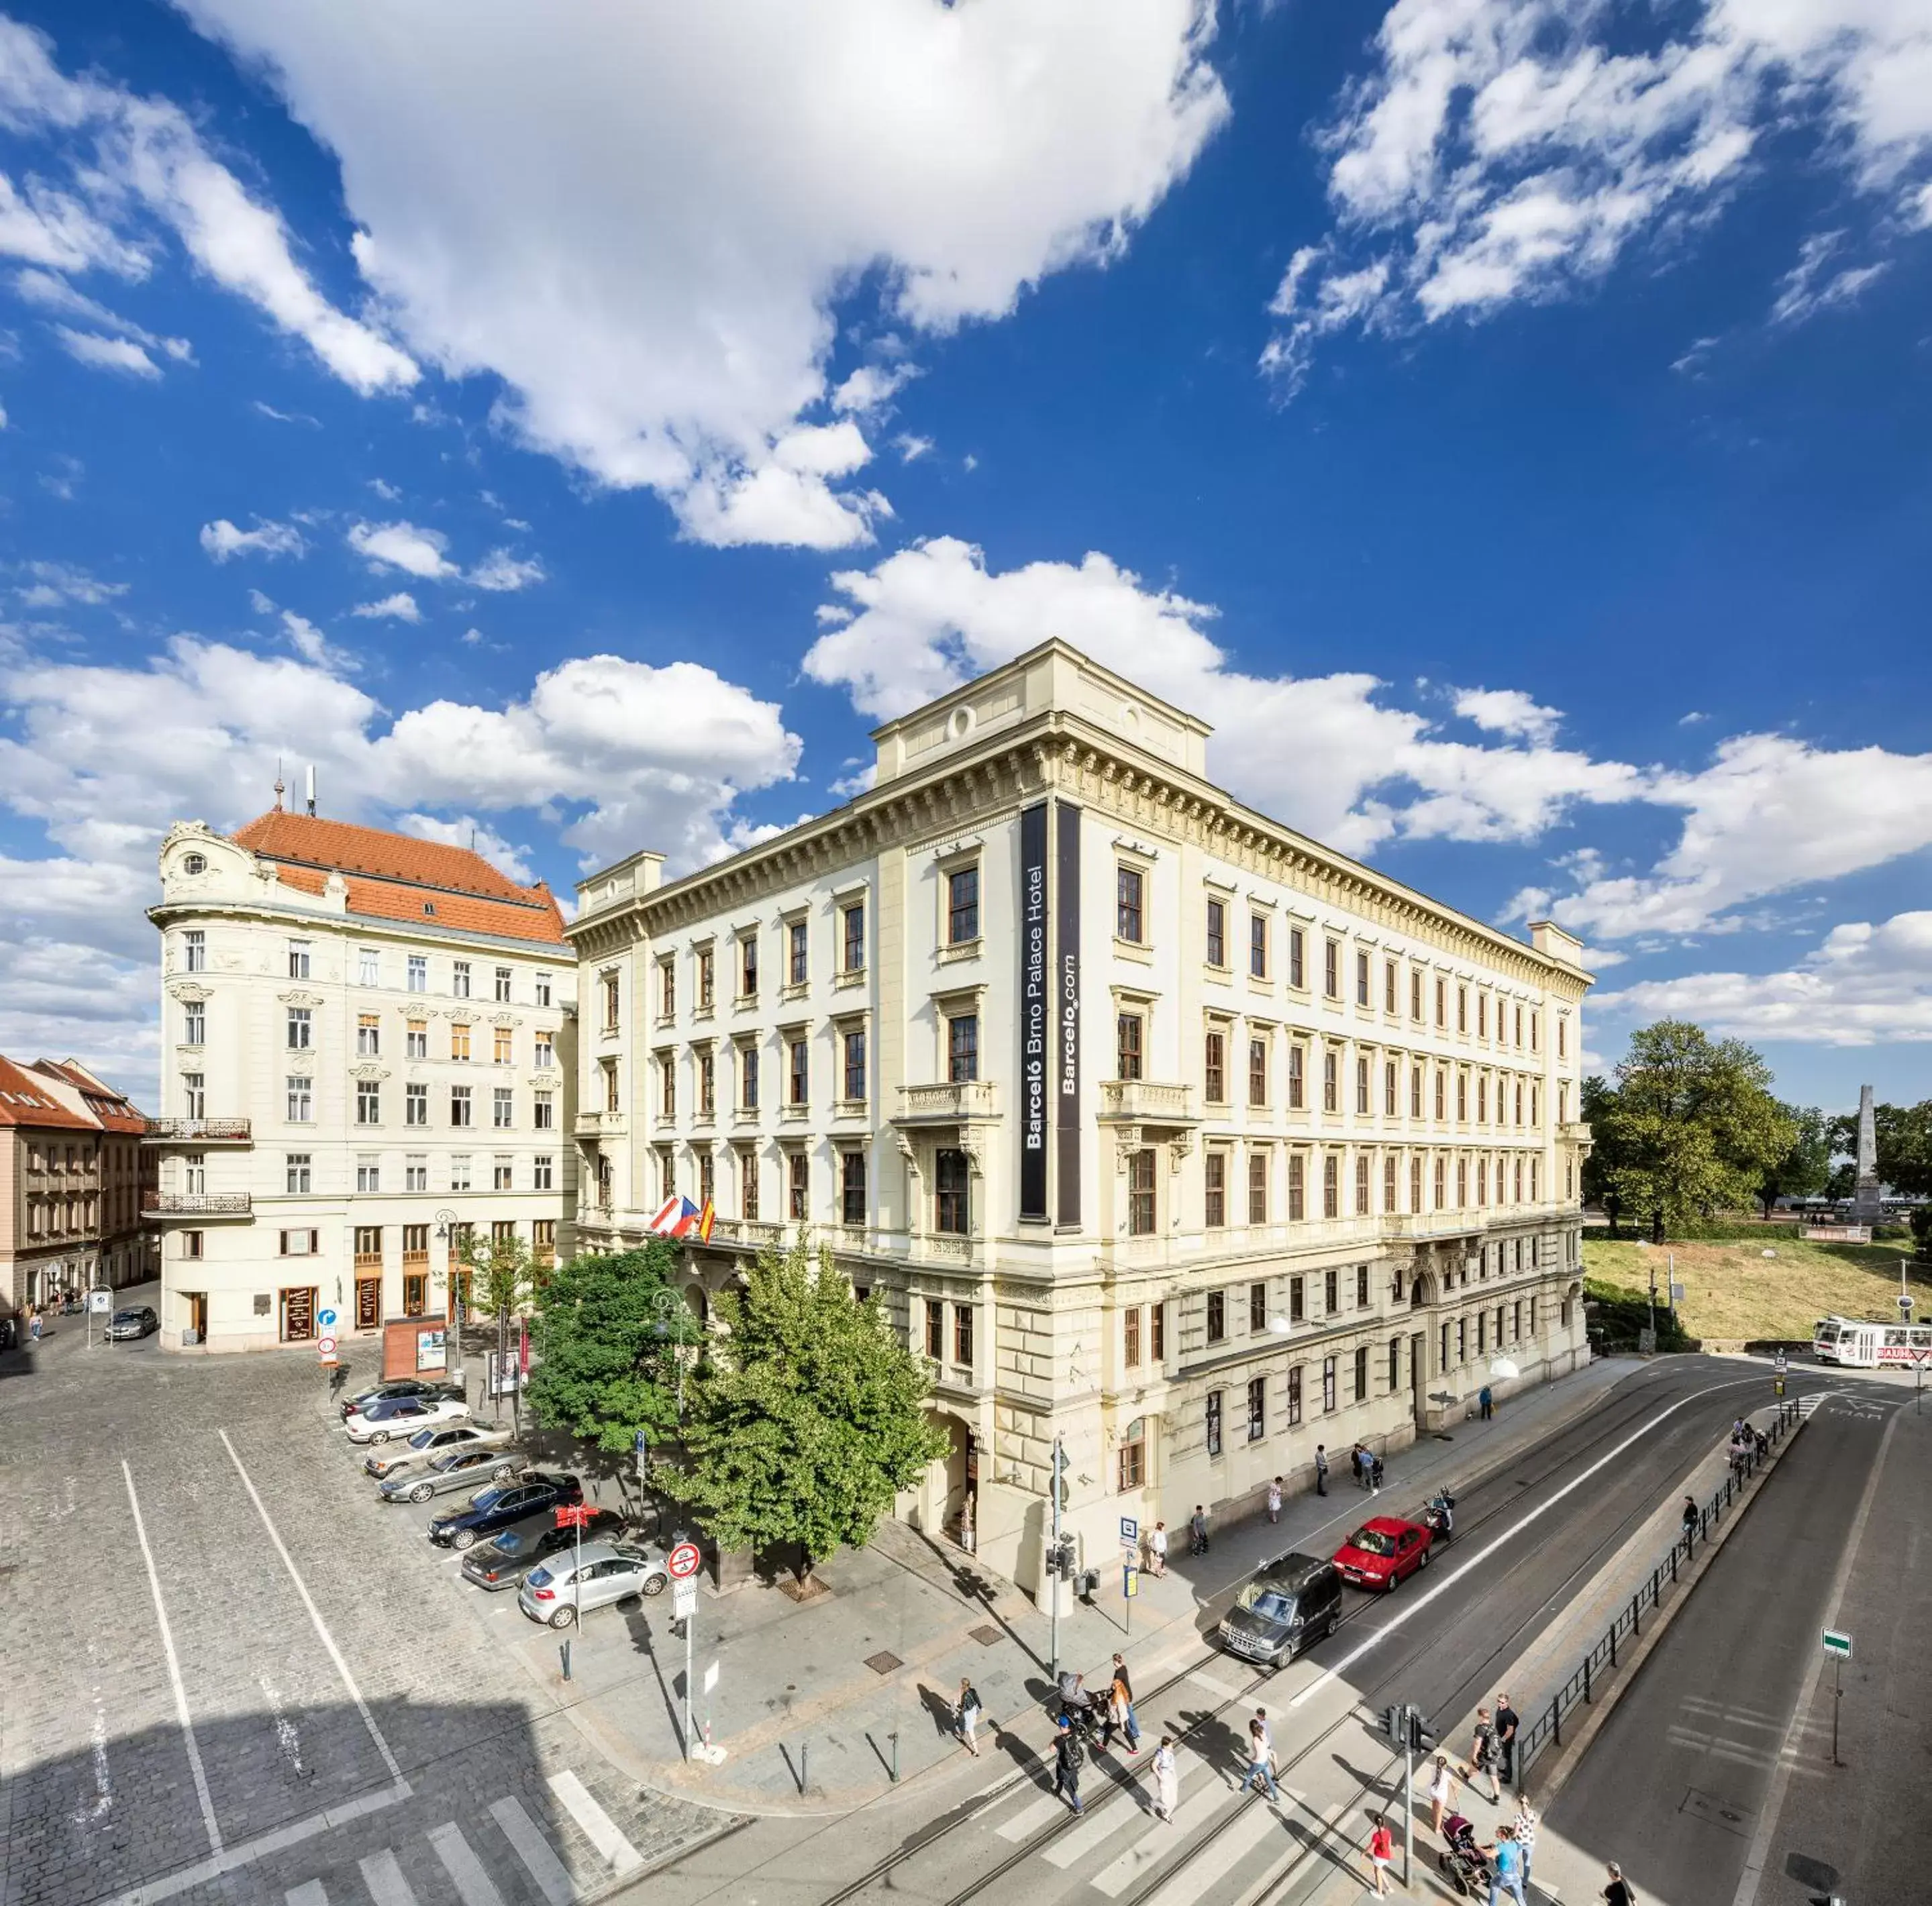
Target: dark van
1285,1606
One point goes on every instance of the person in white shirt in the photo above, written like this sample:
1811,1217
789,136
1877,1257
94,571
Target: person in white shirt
1166,1780
1157,1550
1274,1500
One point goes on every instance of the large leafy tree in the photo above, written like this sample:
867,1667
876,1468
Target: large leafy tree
1805,1169
1606,1153
610,1327
810,1415
1904,1136
1692,1124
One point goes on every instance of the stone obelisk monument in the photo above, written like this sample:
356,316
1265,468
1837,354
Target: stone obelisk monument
1866,1207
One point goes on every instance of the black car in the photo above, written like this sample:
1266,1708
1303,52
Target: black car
136,1321
1284,1607
402,1386
505,1502
509,1555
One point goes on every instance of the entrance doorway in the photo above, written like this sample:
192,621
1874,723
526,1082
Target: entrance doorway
195,1331
368,1303
1418,1358
297,1314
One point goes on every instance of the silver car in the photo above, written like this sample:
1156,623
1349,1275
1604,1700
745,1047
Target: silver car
460,1469
602,1572
438,1439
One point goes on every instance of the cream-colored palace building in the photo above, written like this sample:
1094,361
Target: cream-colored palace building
367,1048
1161,1129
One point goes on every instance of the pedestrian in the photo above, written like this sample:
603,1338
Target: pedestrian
1486,1401
1508,1721
1258,1752
1524,1826
34,1323
1618,1892
1691,1518
1321,1469
1166,1780
1483,1755
1157,1550
1381,1850
1197,1532
1123,1695
1067,1759
1274,1500
1261,1721
1441,1794
1506,1869
966,1716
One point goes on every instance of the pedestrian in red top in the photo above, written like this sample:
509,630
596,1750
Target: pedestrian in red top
1381,1851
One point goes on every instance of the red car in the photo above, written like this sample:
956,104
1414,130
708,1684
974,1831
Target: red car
1382,1551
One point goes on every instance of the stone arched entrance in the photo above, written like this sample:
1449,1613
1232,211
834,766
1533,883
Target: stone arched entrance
946,1501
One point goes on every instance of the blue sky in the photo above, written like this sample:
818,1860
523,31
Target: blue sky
1505,421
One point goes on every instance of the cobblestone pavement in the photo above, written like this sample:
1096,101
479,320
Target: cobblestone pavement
228,1672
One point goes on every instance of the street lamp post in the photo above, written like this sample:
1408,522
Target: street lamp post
452,1292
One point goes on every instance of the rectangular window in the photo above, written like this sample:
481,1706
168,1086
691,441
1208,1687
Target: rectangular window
459,1042
502,1046
1362,1086
500,1173
1562,1038
1214,1422
368,966
1361,1287
459,978
501,977
949,1192
1258,1071
1257,1308
298,1174
1395,1363
1415,1092
667,1085
1217,933
459,1171
368,1102
1362,1169
1462,1183
194,951
1442,1002
1388,985
1258,1188
798,947
1331,968
962,1335
707,1083
298,959
1331,1185
852,1187
301,1028
1482,1015
855,1068
503,1108
1216,1167
415,1171
1361,979
1298,957
1129,918
1258,946
1441,1087
748,967
962,1048
1298,1082
707,979
1130,1337
1389,1181
1391,1089
542,993
1361,1384
192,1242
301,1244
368,1035
854,917
415,1039
1483,1099
1331,1293
1439,1169
543,1055
1331,1089
1140,1194
1328,1383
1157,1332
1215,1069
1127,1029
194,1101
1462,1009
459,1105
1297,1200
543,1110
935,1328
747,1077
1415,996
368,1172
415,1104
1257,1408
707,1177
962,906
1294,1397
798,1187
1462,1099
748,1186
300,1099
798,1090
418,976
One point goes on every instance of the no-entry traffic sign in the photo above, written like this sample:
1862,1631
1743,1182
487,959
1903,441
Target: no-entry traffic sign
684,1562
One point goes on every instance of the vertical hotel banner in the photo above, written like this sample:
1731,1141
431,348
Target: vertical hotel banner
1067,1004
1037,1015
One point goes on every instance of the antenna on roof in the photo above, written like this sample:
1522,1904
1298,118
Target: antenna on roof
311,787
280,789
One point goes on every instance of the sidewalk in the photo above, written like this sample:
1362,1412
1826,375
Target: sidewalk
808,1699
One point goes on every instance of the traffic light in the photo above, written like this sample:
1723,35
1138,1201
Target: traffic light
1060,1487
1059,1558
1421,1733
1392,1723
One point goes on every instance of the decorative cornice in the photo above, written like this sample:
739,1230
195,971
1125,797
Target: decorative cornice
303,998
188,990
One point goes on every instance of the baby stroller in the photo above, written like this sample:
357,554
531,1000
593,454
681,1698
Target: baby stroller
1087,1713
1461,1860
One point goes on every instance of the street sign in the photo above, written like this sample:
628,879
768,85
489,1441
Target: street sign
1130,1529
573,1516
326,1321
100,1300
683,1600
684,1562
1837,1644
1130,1579
1677,1293
1904,1303
325,1345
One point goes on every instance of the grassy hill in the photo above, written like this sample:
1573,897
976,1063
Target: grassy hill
1733,1291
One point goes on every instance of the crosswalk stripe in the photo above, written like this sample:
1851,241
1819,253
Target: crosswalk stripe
1222,1690
1195,1811
1219,1857
1104,1822
384,1879
309,1893
599,1829
1031,1818
534,1850
463,1866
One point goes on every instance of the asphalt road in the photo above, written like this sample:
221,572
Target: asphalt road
1676,1786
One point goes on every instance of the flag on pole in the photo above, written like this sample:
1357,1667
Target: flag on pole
706,1220
677,1217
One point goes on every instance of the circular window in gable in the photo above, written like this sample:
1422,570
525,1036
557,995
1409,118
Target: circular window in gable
959,723
194,864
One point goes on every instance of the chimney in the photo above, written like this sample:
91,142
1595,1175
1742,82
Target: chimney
311,787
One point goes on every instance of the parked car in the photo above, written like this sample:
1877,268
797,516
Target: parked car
396,1386
574,1581
402,1416
438,1439
1383,1550
509,1555
1285,1607
460,1469
139,1321
502,1504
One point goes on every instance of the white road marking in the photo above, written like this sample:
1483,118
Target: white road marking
1103,1822
1031,1817
309,1893
1218,1857
1415,1605
599,1829
1222,1690
1196,1810
314,1613
534,1850
463,1866
174,1671
384,1879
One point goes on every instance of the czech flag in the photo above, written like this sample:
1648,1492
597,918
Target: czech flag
677,1217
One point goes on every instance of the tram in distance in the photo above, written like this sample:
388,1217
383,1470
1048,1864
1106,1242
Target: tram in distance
1871,1345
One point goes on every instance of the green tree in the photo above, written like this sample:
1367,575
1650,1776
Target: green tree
500,1284
610,1328
1598,1110
1903,1134
809,1416
1804,1170
1693,1125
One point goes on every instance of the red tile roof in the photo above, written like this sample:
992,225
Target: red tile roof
111,1109
25,1100
404,878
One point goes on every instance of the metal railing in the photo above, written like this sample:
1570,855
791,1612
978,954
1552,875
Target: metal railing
197,1204
1546,1729
200,1131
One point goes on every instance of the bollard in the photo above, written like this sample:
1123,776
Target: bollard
563,1649
1586,1677
804,1764
894,1737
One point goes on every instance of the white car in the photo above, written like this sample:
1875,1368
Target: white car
402,1416
435,1439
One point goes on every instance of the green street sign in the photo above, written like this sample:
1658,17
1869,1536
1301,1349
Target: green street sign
1837,1644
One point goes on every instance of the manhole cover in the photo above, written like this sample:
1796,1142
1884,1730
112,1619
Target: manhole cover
884,1662
1727,1816
985,1634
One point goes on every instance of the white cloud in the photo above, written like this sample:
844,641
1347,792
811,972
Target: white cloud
55,583
386,490
870,387
1507,151
127,152
648,234
314,647
402,545
467,831
100,353
1508,711
1808,289
500,571
911,448
48,292
222,539
402,606
1862,984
